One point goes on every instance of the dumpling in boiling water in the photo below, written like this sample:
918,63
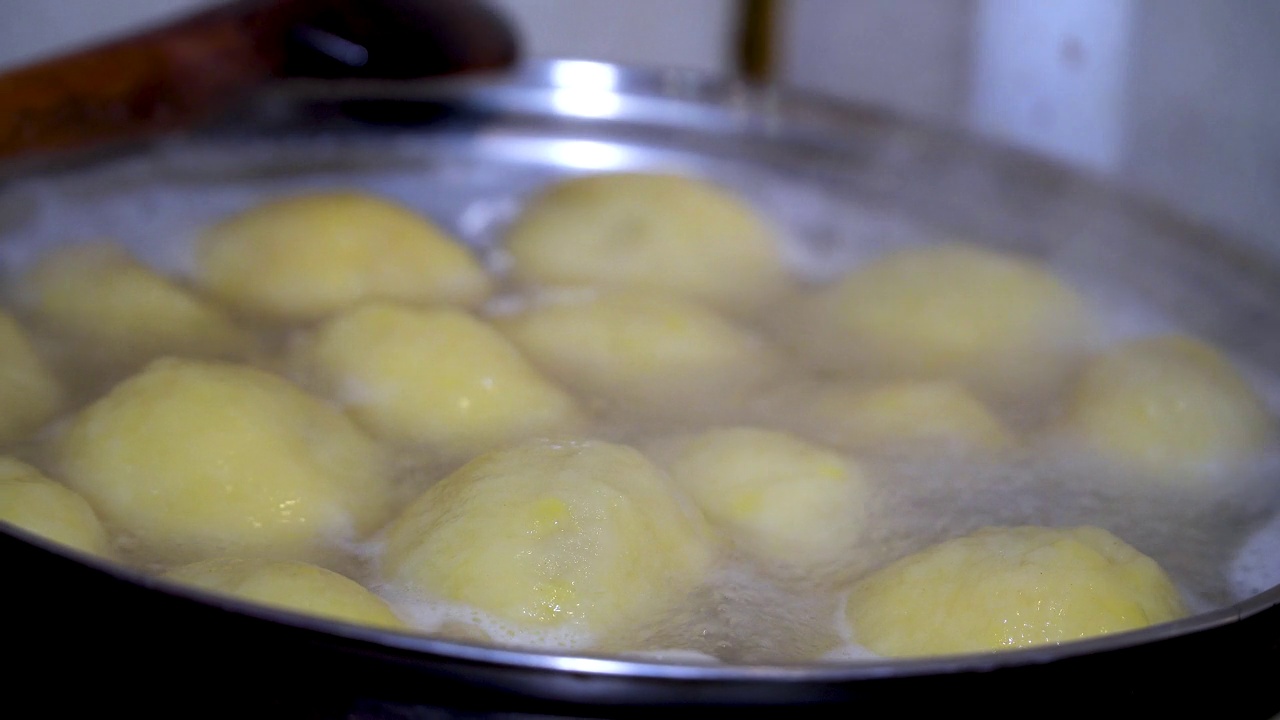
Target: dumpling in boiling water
29,393
296,586
1010,587
436,376
911,414
643,350
198,459
35,503
1170,408
305,257
955,311
795,505
555,542
122,311
664,232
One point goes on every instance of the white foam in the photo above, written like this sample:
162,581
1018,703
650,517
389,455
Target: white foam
1257,566
435,616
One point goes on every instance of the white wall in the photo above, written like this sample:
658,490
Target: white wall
1179,99
675,33
911,55
34,29
1203,121
1050,76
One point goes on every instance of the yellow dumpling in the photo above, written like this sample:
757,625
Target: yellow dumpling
290,585
1012,587
305,257
647,349
122,311
657,231
35,503
794,504
952,311
568,540
1169,407
439,377
199,459
29,393
905,413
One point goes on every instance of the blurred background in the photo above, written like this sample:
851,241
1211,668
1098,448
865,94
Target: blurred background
1179,99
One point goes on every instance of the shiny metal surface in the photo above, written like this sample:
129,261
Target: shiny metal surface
781,149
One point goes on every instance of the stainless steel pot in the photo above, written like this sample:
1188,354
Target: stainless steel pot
140,641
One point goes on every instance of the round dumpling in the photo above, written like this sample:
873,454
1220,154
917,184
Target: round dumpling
955,311
1170,408
290,585
791,503
904,413
439,377
199,459
1012,587
305,257
35,503
122,311
555,542
29,393
643,349
658,231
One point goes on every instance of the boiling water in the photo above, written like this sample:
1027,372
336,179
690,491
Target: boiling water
1217,549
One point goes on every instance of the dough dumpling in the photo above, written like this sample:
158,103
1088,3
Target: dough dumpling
646,349
1170,408
791,503
35,503
199,459
305,257
439,377
296,586
904,413
29,393
666,232
955,311
122,311
1012,587
567,540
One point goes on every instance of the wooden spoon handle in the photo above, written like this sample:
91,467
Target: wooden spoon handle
176,75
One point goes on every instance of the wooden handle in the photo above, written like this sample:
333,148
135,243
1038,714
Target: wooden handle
174,76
